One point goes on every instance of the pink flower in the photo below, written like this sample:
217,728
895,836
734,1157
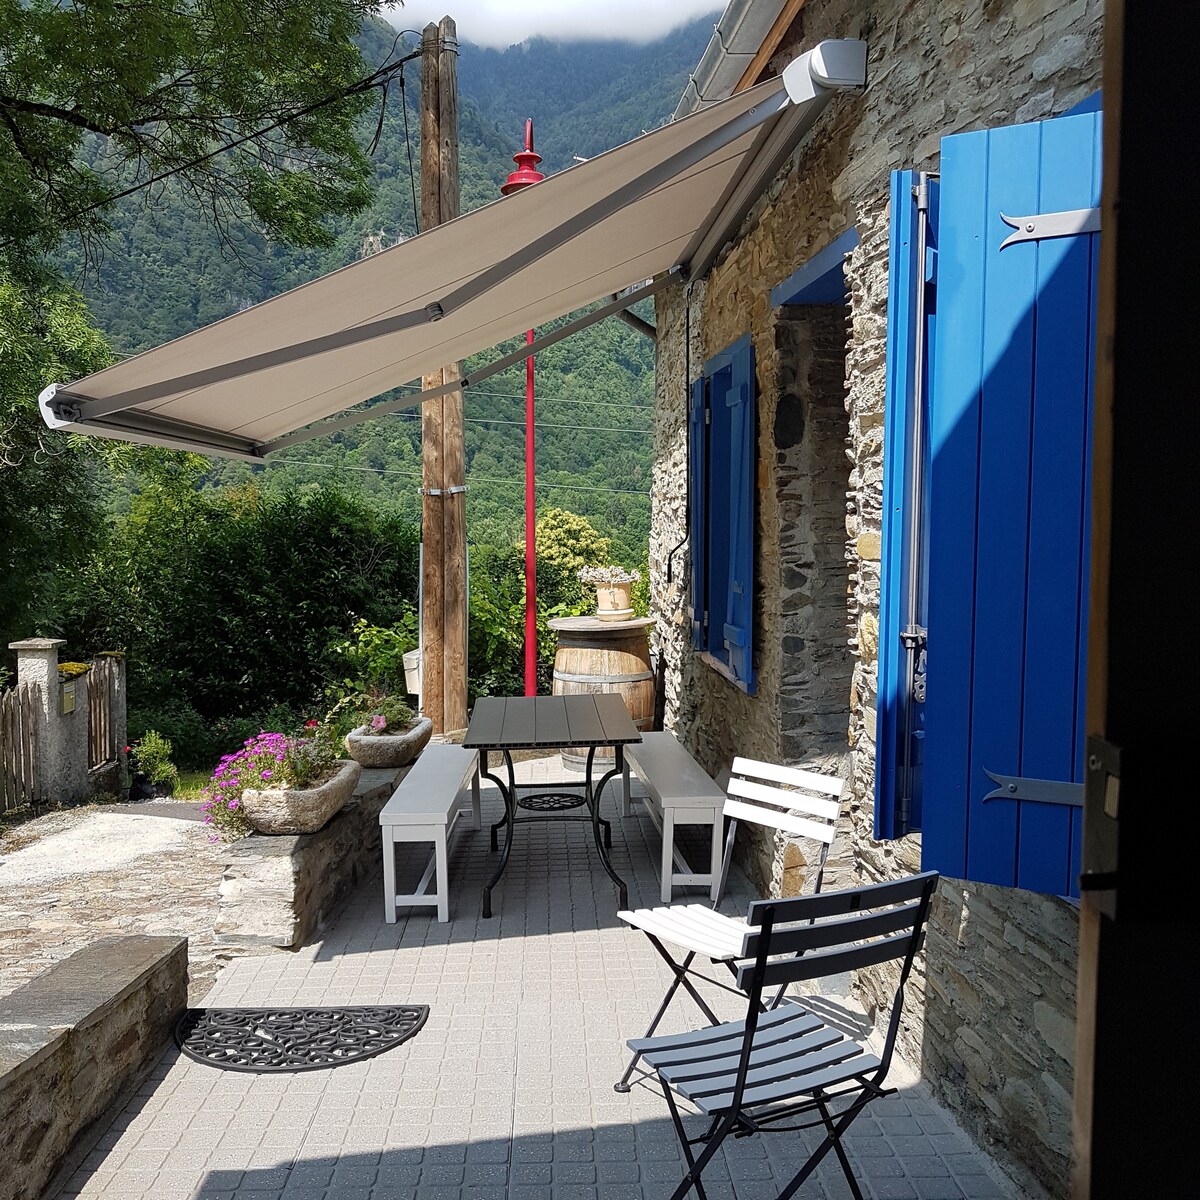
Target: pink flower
378,723
265,774
232,805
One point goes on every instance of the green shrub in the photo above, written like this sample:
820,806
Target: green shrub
151,755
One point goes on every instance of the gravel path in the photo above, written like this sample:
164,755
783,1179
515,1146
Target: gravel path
69,878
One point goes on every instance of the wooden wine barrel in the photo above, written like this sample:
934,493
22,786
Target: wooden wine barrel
604,656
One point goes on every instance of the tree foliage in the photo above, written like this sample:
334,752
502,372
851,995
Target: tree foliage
234,605
163,87
48,481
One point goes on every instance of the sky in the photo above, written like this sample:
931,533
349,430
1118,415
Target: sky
502,23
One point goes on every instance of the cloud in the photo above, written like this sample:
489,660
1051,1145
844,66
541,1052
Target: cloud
503,23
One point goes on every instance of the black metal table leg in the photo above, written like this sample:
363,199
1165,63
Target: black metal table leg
486,774
593,799
509,794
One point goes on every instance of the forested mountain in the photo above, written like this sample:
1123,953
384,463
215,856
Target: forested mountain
164,273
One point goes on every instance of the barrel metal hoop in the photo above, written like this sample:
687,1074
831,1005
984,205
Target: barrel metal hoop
639,677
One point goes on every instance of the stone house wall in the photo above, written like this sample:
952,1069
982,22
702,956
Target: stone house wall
990,1015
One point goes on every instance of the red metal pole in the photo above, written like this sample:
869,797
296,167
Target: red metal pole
530,534
526,174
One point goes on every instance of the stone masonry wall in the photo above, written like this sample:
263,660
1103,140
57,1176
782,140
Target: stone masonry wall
991,1020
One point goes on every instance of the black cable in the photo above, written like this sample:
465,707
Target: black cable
383,97
687,383
412,179
410,414
375,79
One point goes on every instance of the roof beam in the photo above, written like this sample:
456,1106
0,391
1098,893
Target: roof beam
771,43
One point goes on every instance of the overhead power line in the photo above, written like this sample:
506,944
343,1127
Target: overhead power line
469,392
573,487
413,416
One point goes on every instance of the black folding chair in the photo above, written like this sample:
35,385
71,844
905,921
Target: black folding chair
779,1070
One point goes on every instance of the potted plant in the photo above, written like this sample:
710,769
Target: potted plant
279,784
150,763
613,585
370,719
383,731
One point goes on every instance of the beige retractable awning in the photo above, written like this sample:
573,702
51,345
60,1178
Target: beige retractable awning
657,209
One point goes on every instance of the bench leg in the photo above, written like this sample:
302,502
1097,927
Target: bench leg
717,853
625,789
442,878
668,854
389,876
475,797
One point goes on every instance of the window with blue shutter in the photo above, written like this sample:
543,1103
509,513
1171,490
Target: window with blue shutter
1004,506
721,479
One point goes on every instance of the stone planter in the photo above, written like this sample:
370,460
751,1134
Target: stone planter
389,749
295,810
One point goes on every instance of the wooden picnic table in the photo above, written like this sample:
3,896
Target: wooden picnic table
503,725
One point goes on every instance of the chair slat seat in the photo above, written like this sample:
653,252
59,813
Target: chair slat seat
799,1023
767,1056
716,1035
785,1056
694,927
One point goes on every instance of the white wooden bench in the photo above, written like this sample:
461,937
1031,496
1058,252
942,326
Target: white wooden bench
424,808
678,792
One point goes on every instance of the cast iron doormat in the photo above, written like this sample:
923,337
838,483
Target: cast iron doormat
294,1039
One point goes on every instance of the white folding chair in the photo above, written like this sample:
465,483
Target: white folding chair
806,805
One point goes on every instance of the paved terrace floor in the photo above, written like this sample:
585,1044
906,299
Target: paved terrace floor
506,1094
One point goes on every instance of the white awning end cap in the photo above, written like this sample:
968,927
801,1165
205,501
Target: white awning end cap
829,66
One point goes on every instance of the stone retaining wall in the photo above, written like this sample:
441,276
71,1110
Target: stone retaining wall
280,890
72,1039
991,1023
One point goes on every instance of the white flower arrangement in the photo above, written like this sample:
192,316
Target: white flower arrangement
608,576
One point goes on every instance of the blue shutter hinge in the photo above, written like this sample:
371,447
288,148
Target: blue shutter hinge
1039,791
913,637
1051,225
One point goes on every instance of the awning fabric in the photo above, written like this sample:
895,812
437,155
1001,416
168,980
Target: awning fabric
658,208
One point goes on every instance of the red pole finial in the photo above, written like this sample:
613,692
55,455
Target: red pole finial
526,160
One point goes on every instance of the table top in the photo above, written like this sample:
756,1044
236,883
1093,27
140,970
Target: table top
549,722
596,625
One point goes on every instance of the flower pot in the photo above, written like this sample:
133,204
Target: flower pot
140,788
300,810
166,788
388,749
612,602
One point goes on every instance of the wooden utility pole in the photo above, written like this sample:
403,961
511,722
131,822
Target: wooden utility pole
443,507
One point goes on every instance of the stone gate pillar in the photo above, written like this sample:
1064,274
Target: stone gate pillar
62,737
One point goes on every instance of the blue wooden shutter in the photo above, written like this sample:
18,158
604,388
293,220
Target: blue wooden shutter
739,608
698,508
1009,521
902,506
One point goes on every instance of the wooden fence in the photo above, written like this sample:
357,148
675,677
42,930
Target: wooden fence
102,737
19,708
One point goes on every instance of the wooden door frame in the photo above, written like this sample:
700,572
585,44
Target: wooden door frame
1132,1125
